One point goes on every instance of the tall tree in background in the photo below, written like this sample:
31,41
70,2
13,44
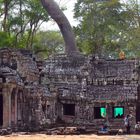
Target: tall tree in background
103,26
47,43
133,38
19,22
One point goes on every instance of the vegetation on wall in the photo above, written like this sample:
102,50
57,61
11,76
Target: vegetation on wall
51,42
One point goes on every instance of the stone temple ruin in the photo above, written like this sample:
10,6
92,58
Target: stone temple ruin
71,90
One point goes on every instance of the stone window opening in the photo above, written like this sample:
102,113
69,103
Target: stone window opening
119,82
44,108
118,112
110,82
69,109
100,83
48,112
137,112
34,59
2,79
99,112
48,107
41,78
14,64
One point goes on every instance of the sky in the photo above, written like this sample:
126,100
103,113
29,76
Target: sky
69,4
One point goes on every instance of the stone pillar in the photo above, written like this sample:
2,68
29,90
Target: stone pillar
18,106
16,109
109,110
13,107
6,107
9,98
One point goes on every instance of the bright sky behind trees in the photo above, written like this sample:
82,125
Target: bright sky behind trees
69,4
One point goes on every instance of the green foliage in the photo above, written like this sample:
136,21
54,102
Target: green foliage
6,40
47,43
20,20
107,27
20,27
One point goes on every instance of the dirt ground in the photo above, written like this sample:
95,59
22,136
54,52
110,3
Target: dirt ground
67,137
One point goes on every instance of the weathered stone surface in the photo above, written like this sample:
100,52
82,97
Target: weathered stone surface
6,131
93,83
36,94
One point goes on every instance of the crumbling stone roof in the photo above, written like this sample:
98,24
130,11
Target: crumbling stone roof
11,76
23,64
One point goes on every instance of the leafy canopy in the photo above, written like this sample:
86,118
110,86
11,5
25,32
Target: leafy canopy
106,27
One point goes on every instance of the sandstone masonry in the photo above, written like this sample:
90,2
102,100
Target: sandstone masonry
71,90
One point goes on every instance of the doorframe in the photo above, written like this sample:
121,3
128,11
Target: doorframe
138,111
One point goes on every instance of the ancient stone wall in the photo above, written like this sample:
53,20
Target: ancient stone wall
28,104
66,89
93,83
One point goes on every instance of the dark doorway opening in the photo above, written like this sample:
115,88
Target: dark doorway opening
99,112
138,112
118,112
1,110
69,109
2,79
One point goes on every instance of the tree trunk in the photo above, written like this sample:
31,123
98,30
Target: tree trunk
6,4
55,12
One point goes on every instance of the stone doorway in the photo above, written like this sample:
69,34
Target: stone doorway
138,112
1,109
69,109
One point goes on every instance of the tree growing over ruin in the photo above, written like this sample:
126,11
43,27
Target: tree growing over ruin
56,13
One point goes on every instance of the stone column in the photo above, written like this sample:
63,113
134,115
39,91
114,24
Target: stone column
6,107
16,109
18,106
9,98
